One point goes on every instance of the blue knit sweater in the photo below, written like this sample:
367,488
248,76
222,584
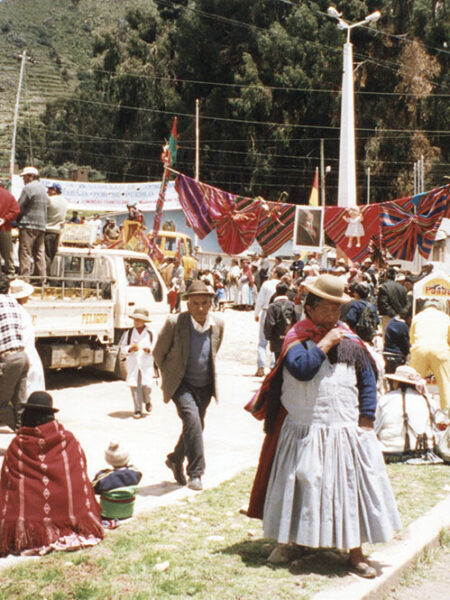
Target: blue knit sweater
198,369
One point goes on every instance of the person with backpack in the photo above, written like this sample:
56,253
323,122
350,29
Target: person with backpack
392,297
362,315
280,317
396,339
136,345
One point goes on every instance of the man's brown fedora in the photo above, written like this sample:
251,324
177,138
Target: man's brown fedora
197,288
328,287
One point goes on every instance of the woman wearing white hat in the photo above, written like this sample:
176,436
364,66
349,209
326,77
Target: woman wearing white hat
406,419
21,291
321,480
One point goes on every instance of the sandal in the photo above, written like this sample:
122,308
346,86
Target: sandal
362,569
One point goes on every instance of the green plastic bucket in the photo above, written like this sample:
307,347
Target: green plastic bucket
118,503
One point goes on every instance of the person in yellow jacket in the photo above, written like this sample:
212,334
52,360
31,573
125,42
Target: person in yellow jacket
430,346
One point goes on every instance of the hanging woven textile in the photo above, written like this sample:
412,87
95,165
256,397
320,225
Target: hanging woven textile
276,227
236,220
193,196
338,228
410,223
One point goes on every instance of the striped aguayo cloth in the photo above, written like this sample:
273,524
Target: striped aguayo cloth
335,226
413,222
236,219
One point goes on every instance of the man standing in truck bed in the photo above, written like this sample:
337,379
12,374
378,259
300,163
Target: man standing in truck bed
32,222
185,353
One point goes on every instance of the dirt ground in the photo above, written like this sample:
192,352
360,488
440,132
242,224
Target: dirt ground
98,409
433,581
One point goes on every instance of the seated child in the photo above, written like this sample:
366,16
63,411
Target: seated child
122,474
117,486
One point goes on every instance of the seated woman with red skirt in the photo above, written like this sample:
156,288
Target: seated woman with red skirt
46,500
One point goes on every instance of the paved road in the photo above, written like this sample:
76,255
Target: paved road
98,410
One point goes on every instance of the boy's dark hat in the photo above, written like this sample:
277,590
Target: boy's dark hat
40,401
197,288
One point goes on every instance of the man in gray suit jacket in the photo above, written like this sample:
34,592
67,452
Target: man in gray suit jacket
185,353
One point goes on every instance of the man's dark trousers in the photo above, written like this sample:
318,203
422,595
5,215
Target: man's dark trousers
191,403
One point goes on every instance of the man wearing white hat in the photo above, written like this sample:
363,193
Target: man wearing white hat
21,291
14,362
32,223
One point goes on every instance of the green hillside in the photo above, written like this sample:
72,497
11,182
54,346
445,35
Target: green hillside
58,34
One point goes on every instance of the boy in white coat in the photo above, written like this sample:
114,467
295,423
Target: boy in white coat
136,344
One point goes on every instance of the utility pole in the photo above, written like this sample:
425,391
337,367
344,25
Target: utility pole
347,155
322,173
23,59
197,139
197,151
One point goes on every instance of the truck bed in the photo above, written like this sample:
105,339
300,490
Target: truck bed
72,315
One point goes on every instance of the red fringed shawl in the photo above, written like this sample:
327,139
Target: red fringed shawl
45,492
270,390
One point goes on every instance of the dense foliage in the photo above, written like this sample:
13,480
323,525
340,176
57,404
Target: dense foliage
267,74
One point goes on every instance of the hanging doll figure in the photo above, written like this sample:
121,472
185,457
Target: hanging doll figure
355,229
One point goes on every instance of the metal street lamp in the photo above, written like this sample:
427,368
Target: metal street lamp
347,157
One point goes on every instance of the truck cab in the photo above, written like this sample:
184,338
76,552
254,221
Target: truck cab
171,242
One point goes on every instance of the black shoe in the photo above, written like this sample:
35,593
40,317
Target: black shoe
148,407
195,483
177,470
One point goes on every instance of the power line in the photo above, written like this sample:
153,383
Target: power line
184,147
393,66
252,122
115,75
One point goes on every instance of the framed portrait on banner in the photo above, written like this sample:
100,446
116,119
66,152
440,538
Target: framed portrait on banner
308,227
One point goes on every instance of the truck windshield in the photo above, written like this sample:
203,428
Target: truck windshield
140,273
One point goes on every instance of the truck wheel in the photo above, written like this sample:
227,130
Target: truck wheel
120,370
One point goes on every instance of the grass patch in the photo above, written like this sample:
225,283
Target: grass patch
417,488
213,551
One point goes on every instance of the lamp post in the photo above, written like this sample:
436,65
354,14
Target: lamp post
347,157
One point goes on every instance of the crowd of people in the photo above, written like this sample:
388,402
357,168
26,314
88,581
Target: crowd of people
40,214
346,392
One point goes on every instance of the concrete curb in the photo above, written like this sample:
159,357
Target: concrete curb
395,558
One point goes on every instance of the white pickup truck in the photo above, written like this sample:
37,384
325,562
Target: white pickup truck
82,310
